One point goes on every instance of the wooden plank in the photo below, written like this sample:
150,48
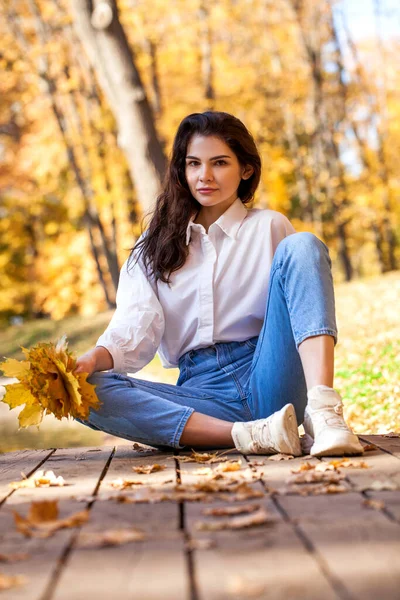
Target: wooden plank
389,444
81,469
383,469
333,525
391,502
12,464
360,547
152,569
267,561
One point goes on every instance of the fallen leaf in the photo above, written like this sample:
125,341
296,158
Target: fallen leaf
369,447
200,544
315,477
347,462
121,484
243,492
152,497
42,519
278,457
111,537
230,510
10,581
257,463
379,486
323,467
244,587
303,467
241,522
376,504
43,511
218,476
203,471
10,558
318,489
230,465
204,457
86,499
139,448
211,486
39,479
206,491
149,468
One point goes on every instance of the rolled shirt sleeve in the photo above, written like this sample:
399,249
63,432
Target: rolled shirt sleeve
137,326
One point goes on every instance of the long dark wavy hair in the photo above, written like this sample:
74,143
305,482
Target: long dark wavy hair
163,247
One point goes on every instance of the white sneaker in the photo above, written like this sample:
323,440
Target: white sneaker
276,434
324,421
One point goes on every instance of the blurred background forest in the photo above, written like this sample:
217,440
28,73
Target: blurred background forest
91,94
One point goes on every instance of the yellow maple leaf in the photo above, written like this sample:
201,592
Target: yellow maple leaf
15,368
30,415
48,384
17,394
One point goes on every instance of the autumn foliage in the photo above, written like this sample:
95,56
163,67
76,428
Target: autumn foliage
48,384
323,108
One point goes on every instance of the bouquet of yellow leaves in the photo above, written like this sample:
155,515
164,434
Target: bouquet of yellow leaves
47,383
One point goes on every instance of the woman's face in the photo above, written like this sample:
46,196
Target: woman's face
210,163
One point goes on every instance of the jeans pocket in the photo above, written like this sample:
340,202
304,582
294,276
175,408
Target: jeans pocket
183,375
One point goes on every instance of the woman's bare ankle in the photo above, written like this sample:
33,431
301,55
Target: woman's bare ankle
203,431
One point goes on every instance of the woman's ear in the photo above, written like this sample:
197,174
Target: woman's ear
247,172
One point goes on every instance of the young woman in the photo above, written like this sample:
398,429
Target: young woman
237,299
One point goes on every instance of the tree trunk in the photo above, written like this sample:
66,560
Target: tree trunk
379,107
325,148
90,217
101,33
206,54
151,48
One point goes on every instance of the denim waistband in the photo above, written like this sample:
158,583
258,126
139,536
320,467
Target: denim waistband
220,349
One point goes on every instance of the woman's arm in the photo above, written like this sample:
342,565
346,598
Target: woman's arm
97,359
135,330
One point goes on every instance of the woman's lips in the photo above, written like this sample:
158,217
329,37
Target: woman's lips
206,191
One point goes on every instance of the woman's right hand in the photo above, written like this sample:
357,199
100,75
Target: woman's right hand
86,364
97,359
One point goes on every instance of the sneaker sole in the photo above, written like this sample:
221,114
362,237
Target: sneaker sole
337,443
285,433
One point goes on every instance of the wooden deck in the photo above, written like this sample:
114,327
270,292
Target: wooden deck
308,544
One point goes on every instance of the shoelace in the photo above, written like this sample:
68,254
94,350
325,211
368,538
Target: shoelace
334,418
261,435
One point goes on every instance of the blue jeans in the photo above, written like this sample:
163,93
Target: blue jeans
234,381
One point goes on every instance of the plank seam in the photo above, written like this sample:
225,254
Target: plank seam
338,587
10,493
379,447
335,583
386,511
189,551
63,559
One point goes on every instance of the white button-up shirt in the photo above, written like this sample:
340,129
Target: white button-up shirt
219,295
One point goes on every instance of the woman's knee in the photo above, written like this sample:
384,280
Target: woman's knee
302,242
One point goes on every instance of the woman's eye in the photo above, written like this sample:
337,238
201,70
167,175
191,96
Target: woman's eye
194,163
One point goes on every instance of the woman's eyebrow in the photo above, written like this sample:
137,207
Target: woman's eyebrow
212,158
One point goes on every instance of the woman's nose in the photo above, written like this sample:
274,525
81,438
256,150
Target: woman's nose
206,174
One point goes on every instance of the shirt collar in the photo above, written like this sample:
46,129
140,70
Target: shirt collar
229,221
